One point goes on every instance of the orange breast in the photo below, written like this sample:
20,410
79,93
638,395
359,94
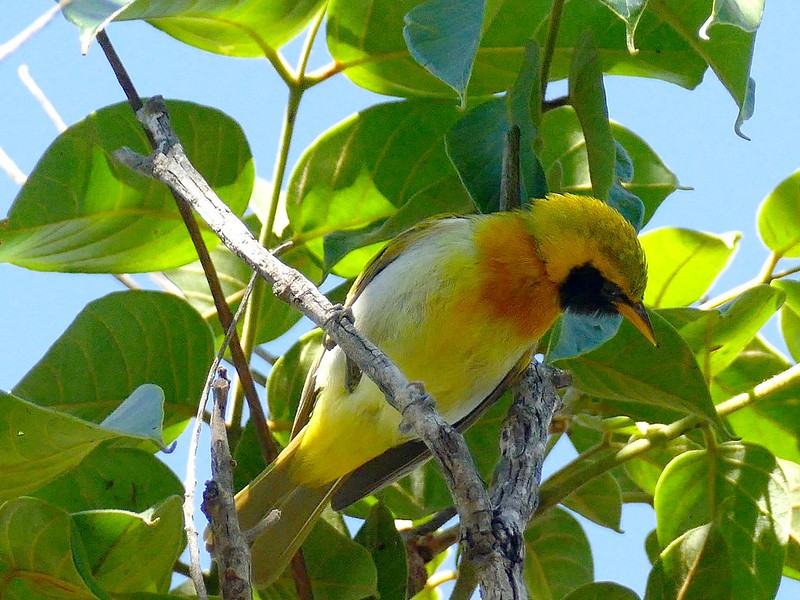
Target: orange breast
514,284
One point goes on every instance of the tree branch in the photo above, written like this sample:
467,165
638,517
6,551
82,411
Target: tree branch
231,551
480,522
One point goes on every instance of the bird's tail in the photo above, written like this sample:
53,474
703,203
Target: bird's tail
299,504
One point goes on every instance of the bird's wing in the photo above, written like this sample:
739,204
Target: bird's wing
390,253
401,460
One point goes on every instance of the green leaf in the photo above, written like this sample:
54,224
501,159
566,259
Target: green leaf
81,211
227,27
286,380
379,535
139,337
41,444
651,547
141,414
366,41
339,568
476,143
683,264
443,36
36,559
587,432
114,478
588,98
790,315
558,558
779,218
602,590
666,377
563,155
744,14
792,561
772,421
723,518
347,181
132,553
718,336
630,11
599,500
647,468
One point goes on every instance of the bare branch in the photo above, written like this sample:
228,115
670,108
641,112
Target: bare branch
47,106
11,168
23,36
231,551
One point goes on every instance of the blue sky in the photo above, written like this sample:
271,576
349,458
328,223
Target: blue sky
692,131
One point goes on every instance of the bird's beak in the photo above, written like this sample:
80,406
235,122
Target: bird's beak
636,313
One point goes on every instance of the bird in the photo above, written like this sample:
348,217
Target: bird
459,304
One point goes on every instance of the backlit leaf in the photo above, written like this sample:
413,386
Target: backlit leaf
42,444
345,191
229,27
132,553
790,315
82,211
683,264
36,552
723,518
779,218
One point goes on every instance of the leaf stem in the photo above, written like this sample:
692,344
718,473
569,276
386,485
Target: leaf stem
786,273
765,275
251,317
550,43
580,471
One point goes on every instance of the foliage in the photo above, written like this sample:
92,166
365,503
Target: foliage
705,427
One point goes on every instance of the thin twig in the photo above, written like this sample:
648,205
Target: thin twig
510,182
264,355
190,483
38,93
231,551
786,273
120,72
432,524
126,280
11,168
26,34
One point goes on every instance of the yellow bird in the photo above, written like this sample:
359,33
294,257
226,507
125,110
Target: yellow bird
457,303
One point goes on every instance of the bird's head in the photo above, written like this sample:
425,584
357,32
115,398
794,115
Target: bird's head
593,256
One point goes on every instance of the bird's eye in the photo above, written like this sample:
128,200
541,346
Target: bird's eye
612,292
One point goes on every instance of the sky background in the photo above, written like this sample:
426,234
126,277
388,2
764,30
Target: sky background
692,131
